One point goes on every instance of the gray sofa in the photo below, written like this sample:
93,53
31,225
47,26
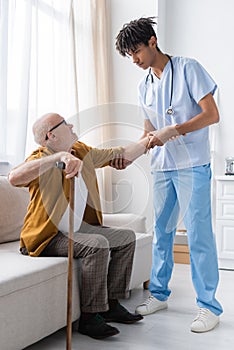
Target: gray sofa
33,290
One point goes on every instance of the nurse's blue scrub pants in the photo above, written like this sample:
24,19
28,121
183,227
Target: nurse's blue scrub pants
187,192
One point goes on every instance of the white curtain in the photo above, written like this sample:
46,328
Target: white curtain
53,58
92,44
37,69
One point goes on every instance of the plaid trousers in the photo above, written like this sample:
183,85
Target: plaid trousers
107,256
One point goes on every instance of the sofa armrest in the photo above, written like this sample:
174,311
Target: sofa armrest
132,221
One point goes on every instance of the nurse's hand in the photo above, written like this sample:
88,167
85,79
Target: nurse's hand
160,137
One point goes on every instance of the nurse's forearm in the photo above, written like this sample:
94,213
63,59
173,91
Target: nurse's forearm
200,121
208,116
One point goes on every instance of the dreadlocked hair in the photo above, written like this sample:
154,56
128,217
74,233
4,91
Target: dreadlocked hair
135,33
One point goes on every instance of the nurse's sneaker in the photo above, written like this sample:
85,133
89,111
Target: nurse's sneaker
205,321
150,306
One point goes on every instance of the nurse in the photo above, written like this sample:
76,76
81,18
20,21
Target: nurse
176,95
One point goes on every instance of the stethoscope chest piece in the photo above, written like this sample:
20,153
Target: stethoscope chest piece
170,110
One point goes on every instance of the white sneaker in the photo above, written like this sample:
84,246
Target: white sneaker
205,321
150,306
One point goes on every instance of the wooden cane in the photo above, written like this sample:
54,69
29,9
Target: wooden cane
61,165
70,260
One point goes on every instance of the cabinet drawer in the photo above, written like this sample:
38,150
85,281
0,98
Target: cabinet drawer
225,209
225,189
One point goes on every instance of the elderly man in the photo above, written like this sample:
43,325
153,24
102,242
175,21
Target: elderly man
104,280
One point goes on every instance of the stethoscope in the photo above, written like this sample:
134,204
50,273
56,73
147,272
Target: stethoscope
149,92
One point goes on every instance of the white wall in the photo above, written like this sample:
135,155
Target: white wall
124,74
203,29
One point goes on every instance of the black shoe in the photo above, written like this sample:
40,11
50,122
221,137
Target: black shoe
97,328
121,315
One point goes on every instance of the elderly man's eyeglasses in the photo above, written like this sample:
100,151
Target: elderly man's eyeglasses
56,126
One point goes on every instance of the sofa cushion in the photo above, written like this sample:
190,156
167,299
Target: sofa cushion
22,271
13,206
33,296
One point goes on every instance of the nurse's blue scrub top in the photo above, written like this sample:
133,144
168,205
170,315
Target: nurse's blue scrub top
191,84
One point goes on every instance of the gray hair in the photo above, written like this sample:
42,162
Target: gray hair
41,127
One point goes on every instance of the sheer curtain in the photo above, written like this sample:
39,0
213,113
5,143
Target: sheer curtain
37,69
91,34
53,58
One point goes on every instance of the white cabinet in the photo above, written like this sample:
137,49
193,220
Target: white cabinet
225,221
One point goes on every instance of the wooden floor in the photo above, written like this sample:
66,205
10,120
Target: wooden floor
167,329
